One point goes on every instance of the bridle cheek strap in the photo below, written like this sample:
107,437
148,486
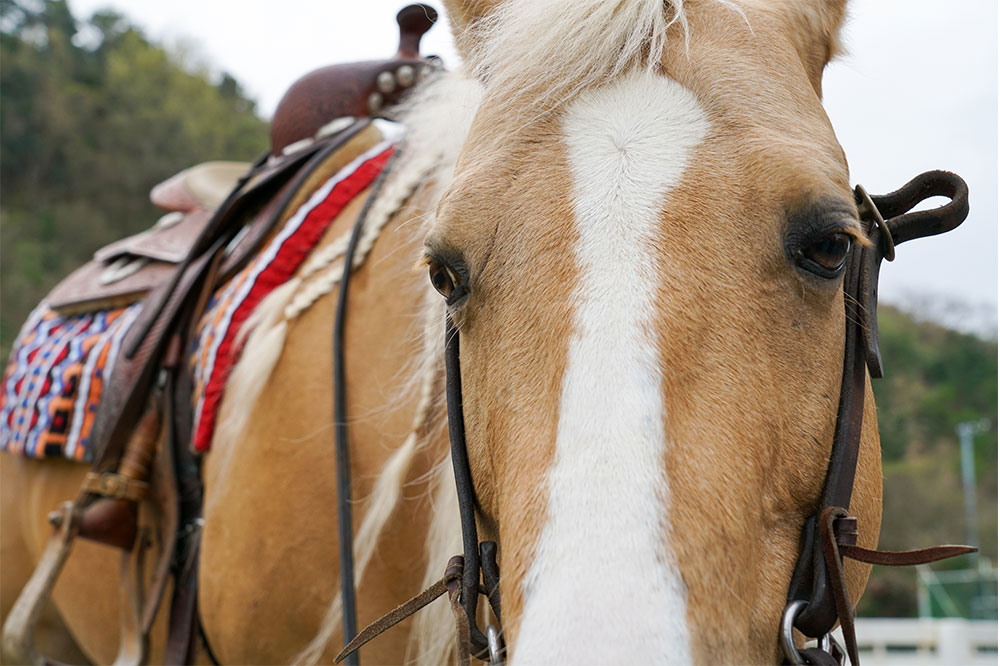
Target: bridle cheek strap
466,491
461,581
817,594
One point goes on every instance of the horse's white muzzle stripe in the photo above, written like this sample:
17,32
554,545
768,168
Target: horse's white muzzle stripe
604,586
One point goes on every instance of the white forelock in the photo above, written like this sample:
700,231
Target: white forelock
541,53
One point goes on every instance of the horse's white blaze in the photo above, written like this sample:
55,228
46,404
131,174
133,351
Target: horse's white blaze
604,586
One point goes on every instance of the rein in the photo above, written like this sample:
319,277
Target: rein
341,443
817,595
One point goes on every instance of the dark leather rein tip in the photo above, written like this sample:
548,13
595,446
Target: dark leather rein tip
904,225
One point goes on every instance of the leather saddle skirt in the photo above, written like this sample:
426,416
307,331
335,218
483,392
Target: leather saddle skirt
124,271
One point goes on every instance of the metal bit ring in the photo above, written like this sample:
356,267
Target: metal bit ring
787,628
496,648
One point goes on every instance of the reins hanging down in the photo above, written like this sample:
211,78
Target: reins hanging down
462,576
817,595
345,527
461,580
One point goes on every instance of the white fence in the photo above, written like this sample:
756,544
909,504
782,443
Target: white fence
926,641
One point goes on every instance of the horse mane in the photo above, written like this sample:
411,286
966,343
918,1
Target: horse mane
541,53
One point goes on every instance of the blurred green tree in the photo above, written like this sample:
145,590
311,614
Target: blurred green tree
93,115
935,378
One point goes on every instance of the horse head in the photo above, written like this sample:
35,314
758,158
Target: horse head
643,247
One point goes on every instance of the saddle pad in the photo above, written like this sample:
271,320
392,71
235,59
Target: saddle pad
215,348
55,378
55,374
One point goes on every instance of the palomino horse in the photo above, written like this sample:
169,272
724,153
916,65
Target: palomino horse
638,217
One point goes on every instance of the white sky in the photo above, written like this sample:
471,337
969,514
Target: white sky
917,91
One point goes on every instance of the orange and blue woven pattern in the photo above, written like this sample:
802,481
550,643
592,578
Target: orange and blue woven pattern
55,378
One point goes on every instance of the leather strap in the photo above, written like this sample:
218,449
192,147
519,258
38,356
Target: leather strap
183,623
341,442
121,406
256,195
479,557
451,584
398,614
116,486
903,558
830,534
837,583
905,225
258,234
464,486
810,581
163,494
260,184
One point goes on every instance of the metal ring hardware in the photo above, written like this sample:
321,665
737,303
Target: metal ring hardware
830,645
787,627
496,650
827,643
869,210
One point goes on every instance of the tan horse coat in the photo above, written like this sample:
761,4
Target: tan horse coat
751,372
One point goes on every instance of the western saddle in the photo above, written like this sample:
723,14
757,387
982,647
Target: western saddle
217,215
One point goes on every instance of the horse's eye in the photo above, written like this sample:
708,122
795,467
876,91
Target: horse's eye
826,256
443,278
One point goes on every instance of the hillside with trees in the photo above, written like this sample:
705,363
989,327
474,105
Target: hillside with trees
935,379
93,114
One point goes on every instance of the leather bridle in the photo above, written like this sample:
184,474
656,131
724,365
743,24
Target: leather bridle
817,594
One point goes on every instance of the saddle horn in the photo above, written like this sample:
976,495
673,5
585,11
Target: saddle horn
354,89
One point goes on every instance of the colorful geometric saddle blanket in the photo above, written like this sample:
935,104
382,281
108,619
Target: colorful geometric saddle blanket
55,378
55,375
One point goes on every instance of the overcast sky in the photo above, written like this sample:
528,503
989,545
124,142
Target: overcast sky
917,90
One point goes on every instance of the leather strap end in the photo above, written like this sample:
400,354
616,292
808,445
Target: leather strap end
393,617
906,224
904,558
